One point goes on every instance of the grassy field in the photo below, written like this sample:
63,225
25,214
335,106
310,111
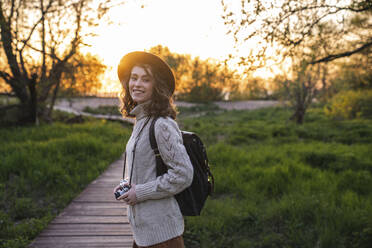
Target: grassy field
277,184
43,168
282,185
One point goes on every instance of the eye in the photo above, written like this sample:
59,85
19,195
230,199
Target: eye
133,77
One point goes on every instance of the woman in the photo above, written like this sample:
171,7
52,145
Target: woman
148,86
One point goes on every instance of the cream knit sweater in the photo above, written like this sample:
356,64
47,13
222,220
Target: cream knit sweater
156,217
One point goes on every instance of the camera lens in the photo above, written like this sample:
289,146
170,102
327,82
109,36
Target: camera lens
117,194
121,192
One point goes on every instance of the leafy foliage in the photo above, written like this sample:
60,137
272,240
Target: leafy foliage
350,104
198,80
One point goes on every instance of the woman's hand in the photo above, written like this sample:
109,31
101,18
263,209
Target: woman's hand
130,197
116,188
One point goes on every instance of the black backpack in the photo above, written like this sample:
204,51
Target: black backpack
192,199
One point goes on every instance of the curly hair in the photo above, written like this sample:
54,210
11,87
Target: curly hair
161,104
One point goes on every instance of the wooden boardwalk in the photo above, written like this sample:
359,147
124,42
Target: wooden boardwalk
93,219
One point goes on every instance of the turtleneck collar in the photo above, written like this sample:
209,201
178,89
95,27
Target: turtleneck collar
139,111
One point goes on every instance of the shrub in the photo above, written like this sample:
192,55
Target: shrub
104,110
203,93
350,105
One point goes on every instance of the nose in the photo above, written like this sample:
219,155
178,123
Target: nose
137,83
134,85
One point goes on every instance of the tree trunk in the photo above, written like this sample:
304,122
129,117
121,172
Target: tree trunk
33,99
54,97
298,116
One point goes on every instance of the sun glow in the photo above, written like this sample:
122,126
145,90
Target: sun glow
187,27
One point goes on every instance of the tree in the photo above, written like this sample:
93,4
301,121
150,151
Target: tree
317,31
39,38
197,79
353,74
179,63
82,75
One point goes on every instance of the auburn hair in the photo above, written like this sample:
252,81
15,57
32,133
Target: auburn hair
161,99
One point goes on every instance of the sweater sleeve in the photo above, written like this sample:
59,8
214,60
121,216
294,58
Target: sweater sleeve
173,152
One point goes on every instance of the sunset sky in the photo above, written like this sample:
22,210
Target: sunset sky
185,26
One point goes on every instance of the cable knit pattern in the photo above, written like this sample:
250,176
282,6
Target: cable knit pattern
156,217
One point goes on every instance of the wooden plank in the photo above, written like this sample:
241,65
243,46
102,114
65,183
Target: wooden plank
84,245
89,219
95,212
87,245
97,205
98,191
86,230
83,241
114,181
104,184
96,198
99,194
114,171
93,219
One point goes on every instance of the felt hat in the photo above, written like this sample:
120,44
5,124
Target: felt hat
129,60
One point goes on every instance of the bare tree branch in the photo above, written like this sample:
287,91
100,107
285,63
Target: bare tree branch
297,26
341,55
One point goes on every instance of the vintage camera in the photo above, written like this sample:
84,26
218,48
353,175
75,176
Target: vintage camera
123,188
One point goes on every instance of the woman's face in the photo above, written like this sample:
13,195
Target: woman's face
141,85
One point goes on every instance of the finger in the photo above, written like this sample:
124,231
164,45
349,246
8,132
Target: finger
116,188
122,197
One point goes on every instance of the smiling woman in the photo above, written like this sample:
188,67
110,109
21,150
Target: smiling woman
153,213
141,83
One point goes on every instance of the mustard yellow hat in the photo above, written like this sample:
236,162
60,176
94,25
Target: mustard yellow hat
129,60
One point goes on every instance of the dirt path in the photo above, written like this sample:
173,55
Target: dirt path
241,105
80,103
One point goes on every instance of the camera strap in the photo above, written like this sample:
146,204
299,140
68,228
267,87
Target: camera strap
134,152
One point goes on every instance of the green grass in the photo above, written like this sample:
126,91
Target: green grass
198,109
43,168
104,110
277,184
283,185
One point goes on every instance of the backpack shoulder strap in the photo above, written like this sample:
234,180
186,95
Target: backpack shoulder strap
160,166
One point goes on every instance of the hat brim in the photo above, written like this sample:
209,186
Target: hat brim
131,59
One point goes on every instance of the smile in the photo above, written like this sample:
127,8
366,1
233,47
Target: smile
138,91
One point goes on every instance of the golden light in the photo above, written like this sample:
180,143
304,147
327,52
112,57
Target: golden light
185,26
